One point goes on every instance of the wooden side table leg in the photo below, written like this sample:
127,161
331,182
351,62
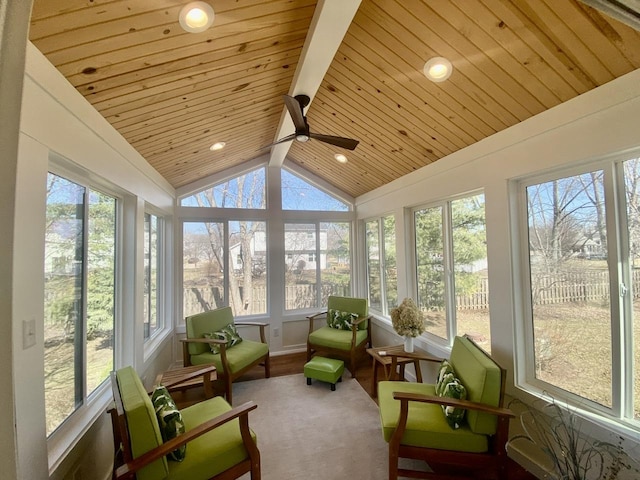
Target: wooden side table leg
208,387
416,364
374,386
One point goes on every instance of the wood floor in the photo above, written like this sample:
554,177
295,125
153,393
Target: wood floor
291,364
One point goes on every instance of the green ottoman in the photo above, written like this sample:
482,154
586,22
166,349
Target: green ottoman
324,369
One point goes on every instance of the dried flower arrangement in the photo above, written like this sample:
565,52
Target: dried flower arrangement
407,319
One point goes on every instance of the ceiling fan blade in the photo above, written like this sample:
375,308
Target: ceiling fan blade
288,138
295,110
348,143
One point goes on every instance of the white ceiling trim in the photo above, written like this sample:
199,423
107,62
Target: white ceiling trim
329,25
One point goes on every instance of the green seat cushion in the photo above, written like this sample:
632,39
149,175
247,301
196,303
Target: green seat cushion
426,425
240,356
334,338
482,379
228,333
169,419
213,452
144,432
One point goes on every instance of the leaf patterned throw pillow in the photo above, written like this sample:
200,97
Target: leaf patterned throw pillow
445,369
229,334
169,420
452,388
340,320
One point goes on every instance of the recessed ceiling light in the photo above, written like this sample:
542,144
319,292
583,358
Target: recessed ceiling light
217,146
340,157
196,17
438,69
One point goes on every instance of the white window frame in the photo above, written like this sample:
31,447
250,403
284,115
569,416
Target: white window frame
619,274
384,301
448,263
64,438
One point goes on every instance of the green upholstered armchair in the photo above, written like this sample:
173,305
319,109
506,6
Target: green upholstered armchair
345,344
231,363
219,443
414,423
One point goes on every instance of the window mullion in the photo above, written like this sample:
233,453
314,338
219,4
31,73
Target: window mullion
622,290
449,297
80,337
382,266
318,266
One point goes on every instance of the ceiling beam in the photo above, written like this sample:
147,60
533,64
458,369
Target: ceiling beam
329,25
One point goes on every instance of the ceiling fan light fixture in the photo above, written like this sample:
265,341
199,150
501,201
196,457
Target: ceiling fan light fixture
217,146
302,137
196,17
438,69
340,158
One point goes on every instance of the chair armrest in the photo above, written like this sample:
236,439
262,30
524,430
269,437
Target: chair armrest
262,325
360,320
127,470
469,405
311,319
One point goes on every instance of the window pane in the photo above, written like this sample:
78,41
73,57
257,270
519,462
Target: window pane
372,239
298,194
151,275
570,285
101,260
430,269
203,272
63,299
390,270
248,268
300,274
245,191
632,186
335,260
470,269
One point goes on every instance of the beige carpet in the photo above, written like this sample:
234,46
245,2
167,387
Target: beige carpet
311,433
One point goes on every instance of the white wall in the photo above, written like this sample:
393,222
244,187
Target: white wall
598,123
58,122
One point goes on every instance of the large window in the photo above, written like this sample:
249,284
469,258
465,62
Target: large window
451,269
225,264
317,263
582,252
152,312
80,272
382,275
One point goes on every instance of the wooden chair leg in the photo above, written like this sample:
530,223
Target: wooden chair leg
267,367
228,391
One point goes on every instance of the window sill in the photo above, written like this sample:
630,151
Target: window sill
69,434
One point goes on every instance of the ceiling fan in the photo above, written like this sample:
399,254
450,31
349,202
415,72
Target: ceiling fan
295,106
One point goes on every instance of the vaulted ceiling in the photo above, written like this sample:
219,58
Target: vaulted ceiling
172,94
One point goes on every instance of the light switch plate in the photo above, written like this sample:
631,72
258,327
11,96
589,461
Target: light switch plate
28,333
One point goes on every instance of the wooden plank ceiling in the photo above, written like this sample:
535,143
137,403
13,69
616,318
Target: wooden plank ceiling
172,94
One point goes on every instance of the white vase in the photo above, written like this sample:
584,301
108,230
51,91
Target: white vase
408,343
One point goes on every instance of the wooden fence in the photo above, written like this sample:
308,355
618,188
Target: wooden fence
197,299
567,287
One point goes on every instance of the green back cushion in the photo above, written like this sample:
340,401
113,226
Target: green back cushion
228,333
358,306
144,432
482,379
169,419
206,322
